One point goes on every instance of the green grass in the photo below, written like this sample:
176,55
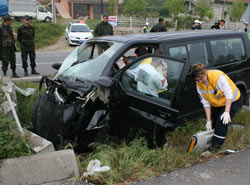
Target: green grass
45,33
25,104
48,33
11,142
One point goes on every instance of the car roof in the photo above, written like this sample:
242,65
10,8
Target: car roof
164,36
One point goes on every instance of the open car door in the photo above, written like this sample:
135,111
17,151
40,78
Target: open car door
146,94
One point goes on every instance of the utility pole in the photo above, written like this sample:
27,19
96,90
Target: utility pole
101,6
53,12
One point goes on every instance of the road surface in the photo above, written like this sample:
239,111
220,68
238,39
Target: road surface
44,60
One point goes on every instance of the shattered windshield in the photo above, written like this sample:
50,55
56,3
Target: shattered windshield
85,63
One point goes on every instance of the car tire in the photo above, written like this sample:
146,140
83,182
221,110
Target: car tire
47,19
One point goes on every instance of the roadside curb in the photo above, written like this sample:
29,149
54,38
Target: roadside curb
39,169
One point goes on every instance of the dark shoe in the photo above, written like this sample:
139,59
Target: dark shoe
4,73
26,72
14,75
34,72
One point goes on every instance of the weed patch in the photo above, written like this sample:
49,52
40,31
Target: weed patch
25,104
134,161
11,142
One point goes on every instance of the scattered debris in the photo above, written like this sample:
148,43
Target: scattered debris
95,166
228,151
206,154
236,126
202,140
27,92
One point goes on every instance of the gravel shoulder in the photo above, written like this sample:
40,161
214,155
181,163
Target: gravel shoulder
60,45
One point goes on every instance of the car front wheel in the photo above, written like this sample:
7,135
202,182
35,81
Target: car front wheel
47,19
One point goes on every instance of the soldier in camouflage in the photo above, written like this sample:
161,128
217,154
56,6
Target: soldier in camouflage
25,36
7,46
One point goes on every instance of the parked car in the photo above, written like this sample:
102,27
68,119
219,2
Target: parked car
94,95
77,33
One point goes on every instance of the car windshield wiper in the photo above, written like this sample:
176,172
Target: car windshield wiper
77,62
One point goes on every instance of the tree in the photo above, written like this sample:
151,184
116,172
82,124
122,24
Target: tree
204,8
112,9
238,9
155,5
135,7
175,6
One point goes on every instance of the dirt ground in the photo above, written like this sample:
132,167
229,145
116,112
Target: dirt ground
60,45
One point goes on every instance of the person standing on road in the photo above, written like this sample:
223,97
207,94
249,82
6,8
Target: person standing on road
220,98
160,27
103,29
7,46
145,29
26,35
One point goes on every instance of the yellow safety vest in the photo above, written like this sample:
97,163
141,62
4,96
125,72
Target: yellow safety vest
212,93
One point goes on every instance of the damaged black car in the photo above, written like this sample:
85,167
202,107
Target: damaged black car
125,86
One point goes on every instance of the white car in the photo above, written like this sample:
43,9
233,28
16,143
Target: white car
77,33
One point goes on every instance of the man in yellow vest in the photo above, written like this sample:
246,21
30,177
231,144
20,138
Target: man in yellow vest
220,98
145,29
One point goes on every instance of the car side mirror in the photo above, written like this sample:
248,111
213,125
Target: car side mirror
56,66
105,81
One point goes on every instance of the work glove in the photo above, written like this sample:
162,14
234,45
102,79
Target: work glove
209,125
225,117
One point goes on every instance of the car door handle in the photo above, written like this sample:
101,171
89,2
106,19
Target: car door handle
164,114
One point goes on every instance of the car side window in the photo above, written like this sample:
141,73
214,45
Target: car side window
178,52
154,77
41,9
198,53
227,50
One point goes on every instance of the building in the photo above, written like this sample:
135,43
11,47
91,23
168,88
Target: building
220,7
84,8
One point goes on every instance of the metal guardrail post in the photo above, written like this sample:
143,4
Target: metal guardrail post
14,113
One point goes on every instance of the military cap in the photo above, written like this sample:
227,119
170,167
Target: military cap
7,18
105,15
26,17
161,19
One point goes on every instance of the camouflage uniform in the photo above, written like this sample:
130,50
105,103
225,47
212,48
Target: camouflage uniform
25,36
7,48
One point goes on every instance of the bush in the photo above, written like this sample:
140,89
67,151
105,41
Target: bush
184,22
